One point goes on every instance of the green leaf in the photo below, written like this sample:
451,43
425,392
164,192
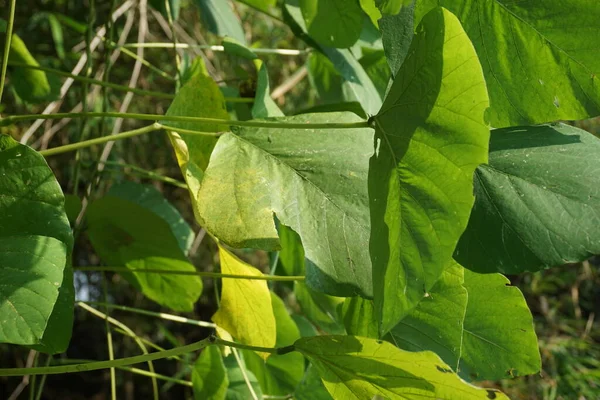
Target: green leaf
537,202
376,66
499,341
358,84
359,368
437,323
353,107
199,97
291,255
238,388
219,18
359,317
209,375
311,387
397,32
324,77
320,309
35,246
151,199
281,374
334,23
538,57
370,8
314,181
430,137
489,336
31,85
245,311
124,233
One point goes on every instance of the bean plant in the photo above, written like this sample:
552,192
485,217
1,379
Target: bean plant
435,162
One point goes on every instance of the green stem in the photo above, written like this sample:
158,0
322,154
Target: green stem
199,273
93,81
170,317
119,362
91,142
209,121
137,171
9,29
132,370
219,48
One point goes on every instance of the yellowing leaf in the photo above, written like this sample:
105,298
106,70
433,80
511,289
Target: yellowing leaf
246,311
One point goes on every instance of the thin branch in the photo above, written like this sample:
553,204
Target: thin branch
290,83
217,48
198,273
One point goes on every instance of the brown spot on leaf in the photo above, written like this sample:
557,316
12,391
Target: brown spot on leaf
491,394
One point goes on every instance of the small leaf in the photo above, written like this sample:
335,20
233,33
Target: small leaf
499,340
430,137
334,23
537,202
397,32
30,84
264,5
392,7
320,309
359,317
209,375
238,387
220,19
314,181
246,311
311,387
126,234
359,368
35,244
539,57
370,8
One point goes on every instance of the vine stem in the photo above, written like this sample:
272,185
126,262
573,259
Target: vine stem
199,273
119,362
209,121
9,29
122,362
159,45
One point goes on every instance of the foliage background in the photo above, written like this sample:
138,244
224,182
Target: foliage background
565,301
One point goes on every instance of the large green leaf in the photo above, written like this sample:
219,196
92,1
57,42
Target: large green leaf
314,181
36,290
279,375
489,336
498,340
127,234
359,368
209,375
152,199
219,18
430,136
245,310
335,23
537,202
30,84
539,57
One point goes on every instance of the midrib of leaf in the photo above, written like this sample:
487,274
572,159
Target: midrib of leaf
485,340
